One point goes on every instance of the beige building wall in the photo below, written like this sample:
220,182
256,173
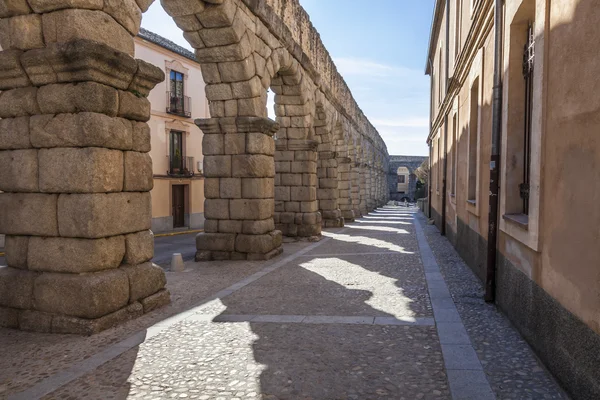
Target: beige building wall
548,259
191,183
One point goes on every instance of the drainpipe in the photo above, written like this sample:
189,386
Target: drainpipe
445,165
490,281
429,185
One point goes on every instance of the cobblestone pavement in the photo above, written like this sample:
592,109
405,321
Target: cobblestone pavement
349,317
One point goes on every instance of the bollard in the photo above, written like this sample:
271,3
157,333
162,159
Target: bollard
177,263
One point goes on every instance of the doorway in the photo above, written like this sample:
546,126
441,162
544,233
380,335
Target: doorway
178,203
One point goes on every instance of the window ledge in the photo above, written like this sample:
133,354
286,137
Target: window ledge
521,220
472,202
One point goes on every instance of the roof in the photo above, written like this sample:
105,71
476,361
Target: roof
166,44
437,18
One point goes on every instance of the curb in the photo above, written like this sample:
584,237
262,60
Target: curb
177,233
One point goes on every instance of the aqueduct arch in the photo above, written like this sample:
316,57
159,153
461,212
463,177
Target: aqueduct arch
74,168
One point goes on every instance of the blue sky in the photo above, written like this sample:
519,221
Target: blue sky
379,48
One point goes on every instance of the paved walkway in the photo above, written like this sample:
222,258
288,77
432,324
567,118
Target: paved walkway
382,308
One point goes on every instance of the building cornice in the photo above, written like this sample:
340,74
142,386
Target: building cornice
483,23
438,14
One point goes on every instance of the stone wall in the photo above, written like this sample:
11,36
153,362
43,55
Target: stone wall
74,140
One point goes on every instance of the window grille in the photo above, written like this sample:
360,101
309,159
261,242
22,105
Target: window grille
528,62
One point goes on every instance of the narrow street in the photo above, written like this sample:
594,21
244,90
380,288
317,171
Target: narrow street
382,308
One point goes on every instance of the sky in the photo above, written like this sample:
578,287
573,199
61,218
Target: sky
380,48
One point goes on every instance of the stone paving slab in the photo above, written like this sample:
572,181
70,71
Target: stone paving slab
274,361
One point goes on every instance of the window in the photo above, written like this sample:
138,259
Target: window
457,27
177,102
473,140
528,60
454,152
440,77
439,163
401,178
176,155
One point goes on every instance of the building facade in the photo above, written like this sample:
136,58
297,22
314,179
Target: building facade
515,172
178,193
402,181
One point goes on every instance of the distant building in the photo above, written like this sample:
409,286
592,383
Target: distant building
402,180
178,194
534,242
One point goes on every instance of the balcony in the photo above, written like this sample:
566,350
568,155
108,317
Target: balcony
179,105
181,167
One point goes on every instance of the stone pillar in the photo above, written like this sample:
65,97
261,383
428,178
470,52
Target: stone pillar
355,188
363,189
239,172
345,188
74,168
296,206
328,193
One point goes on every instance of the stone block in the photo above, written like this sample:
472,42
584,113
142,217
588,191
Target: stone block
258,243
82,326
293,206
212,188
259,143
19,102
291,179
220,91
233,52
328,204
133,107
328,183
89,170
213,144
327,194
138,175
310,218
188,23
44,6
12,74
28,214
141,140
81,130
216,208
309,180
230,188
247,89
157,300
258,188
9,317
251,209
303,193
218,14
16,251
177,8
235,143
287,217
217,166
283,167
14,133
309,206
19,170
237,71
126,12
229,226
139,247
35,321
16,287
211,226
144,280
10,8
95,63
282,193
309,167
23,32
100,215
223,36
78,97
253,166
215,241
86,296
258,227
71,255
72,24
309,230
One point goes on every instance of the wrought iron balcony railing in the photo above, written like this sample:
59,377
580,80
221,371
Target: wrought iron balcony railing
179,105
181,166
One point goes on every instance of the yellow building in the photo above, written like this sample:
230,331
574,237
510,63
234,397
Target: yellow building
515,166
178,194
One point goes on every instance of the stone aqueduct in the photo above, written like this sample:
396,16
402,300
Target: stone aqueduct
74,166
